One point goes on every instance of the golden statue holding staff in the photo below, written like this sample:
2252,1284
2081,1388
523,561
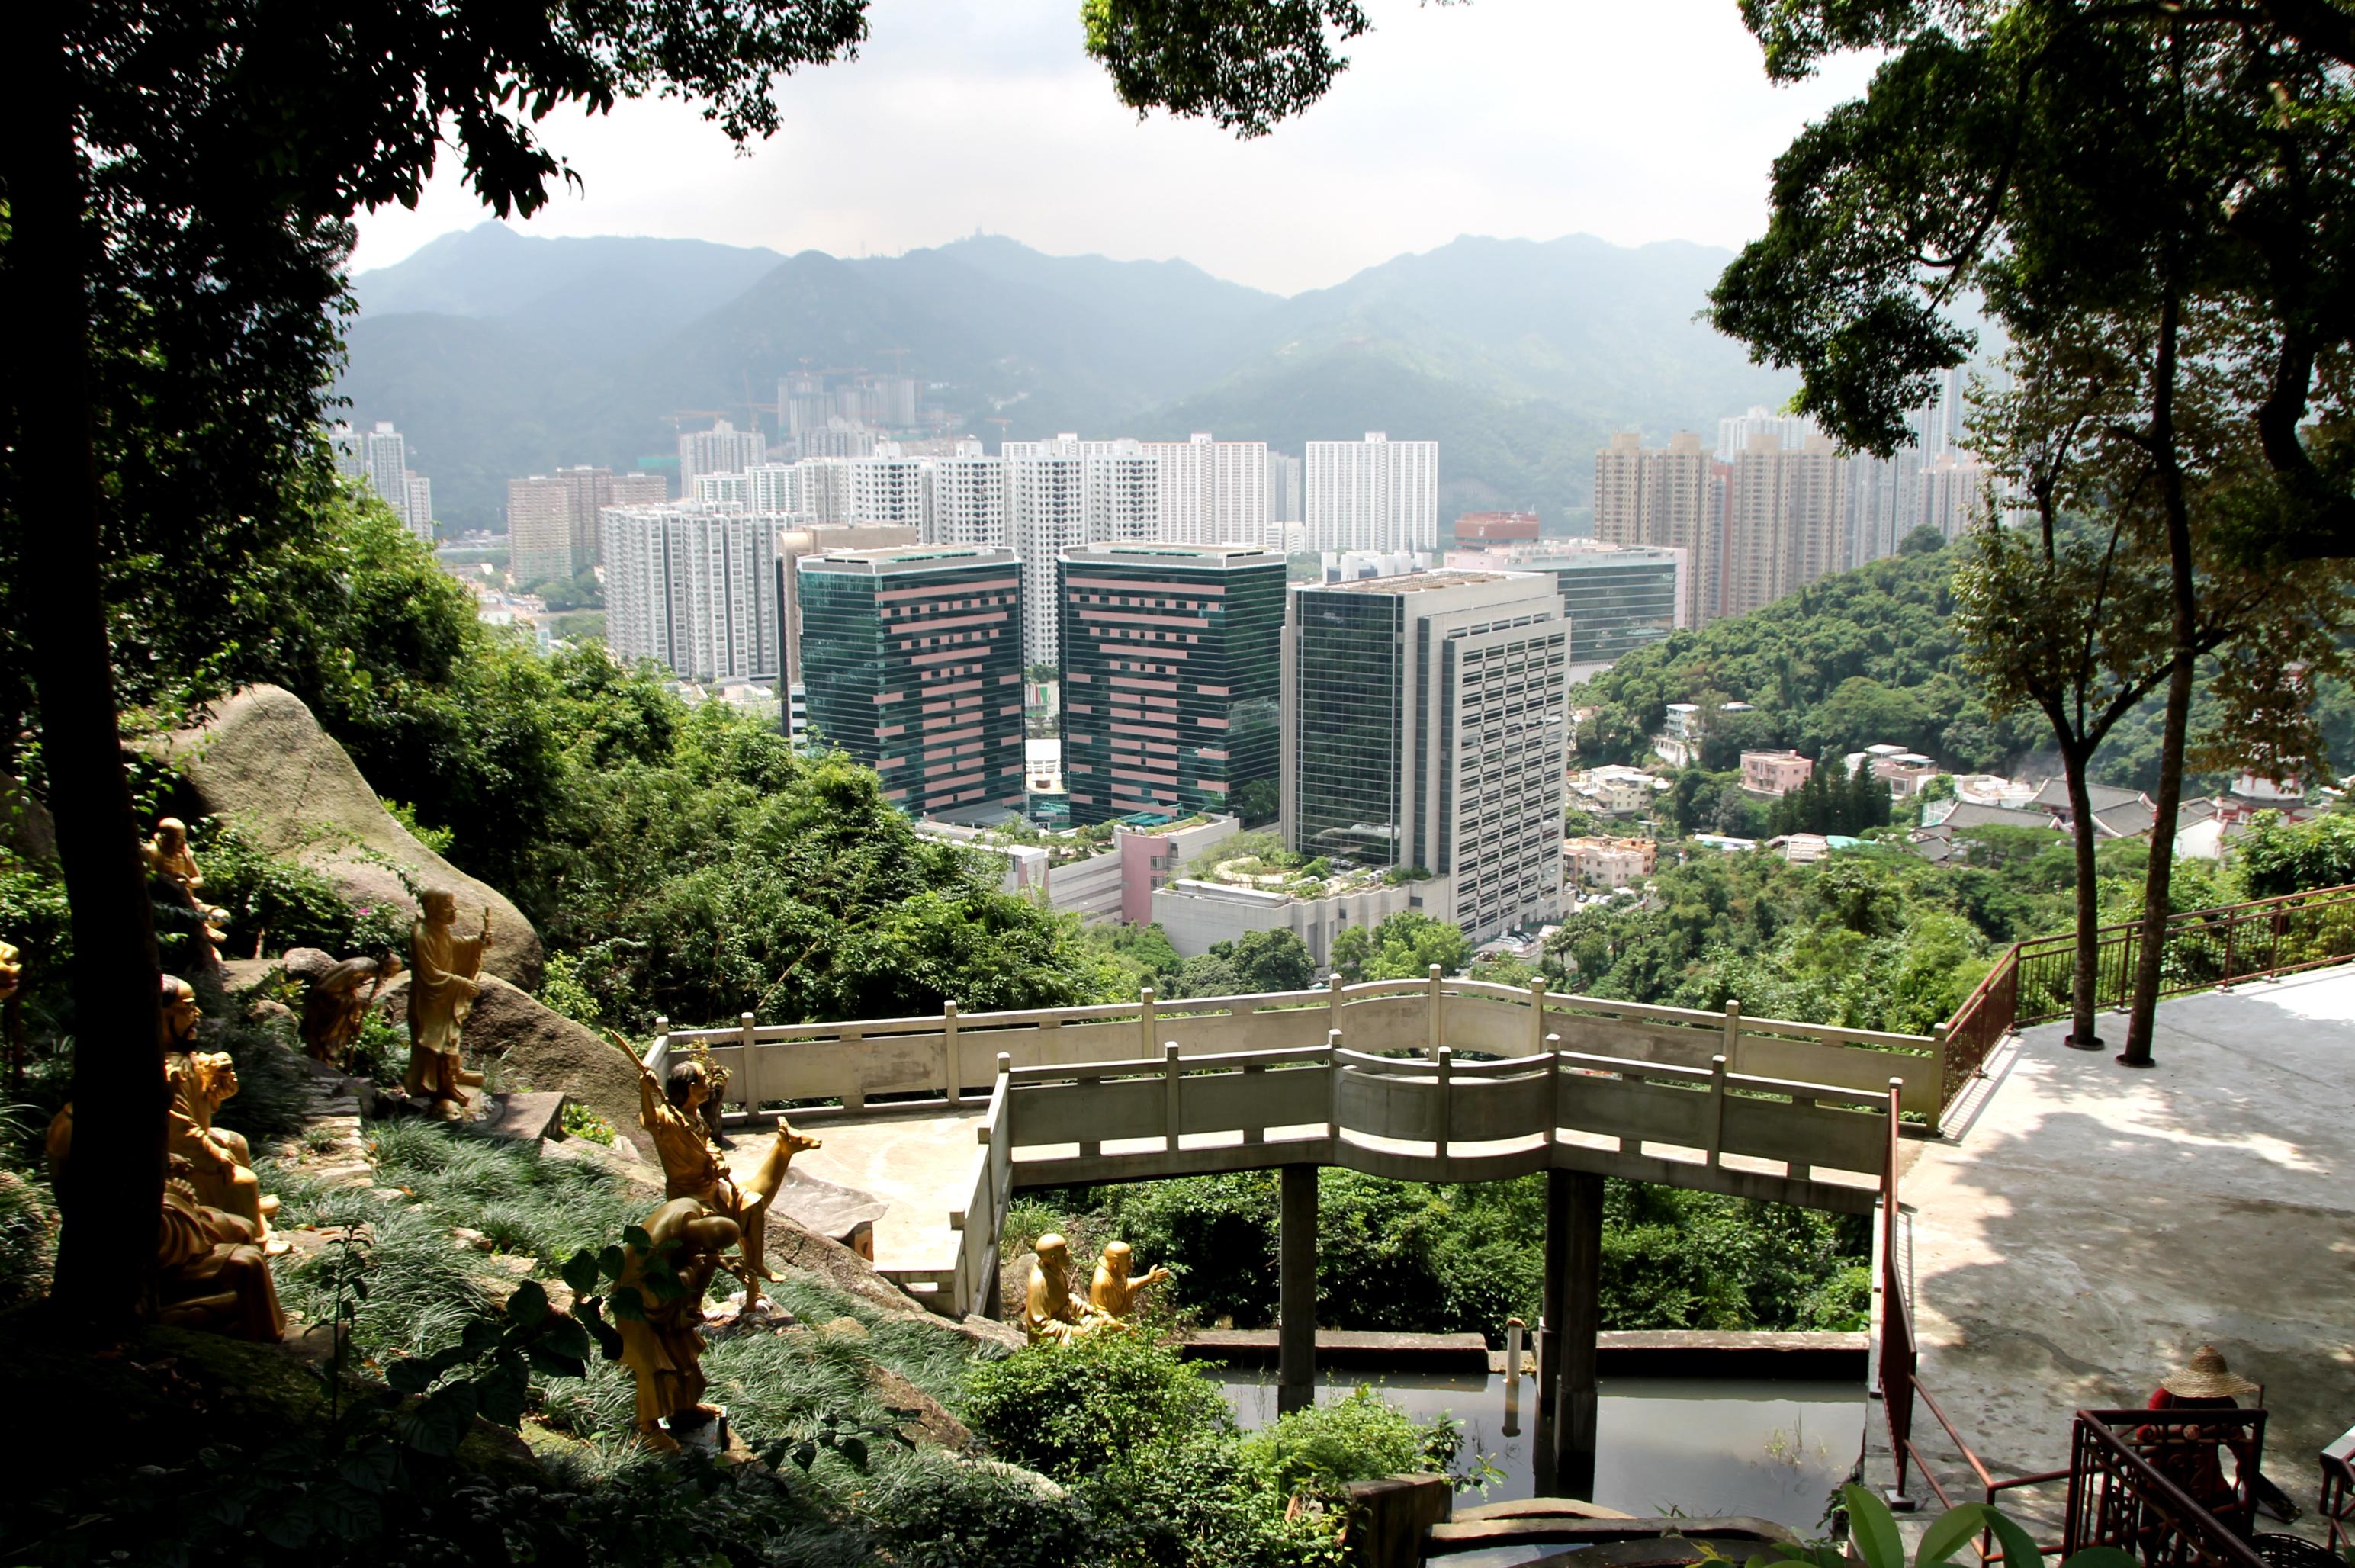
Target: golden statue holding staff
673,1112
1113,1292
664,1351
447,977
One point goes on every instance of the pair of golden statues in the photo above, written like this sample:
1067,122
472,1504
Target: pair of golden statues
1053,1313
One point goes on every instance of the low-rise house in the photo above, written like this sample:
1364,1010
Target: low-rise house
1616,791
1775,774
1601,862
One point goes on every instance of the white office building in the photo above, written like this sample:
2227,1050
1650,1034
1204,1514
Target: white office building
695,587
1424,719
1212,492
1375,494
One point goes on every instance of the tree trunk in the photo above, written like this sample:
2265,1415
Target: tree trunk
111,1203
2085,999
2151,944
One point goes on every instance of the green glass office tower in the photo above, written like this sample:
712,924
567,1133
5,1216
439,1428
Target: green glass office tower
912,658
1618,600
1172,676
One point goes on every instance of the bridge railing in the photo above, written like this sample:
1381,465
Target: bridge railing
952,1055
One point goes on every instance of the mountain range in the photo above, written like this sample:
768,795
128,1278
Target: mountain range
499,353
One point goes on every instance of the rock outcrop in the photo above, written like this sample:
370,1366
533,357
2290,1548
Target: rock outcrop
529,1046
258,759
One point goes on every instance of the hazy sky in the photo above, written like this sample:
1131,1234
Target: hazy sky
1515,117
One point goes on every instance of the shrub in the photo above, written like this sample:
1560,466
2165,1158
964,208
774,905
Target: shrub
1320,1450
1070,1410
285,904
939,1513
28,1228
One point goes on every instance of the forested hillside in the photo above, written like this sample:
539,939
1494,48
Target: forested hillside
1859,658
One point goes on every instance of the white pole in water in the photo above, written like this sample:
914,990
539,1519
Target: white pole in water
1514,1327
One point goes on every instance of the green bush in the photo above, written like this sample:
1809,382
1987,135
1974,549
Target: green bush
1320,1450
1070,1410
28,1230
939,1512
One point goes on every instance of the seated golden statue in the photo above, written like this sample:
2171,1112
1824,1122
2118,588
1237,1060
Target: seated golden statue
221,1160
209,1274
1113,1292
1051,1314
664,1351
446,977
339,1003
12,971
168,856
672,1112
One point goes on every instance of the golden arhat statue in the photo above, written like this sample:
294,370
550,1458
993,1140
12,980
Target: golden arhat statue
446,978
1113,1292
672,1112
663,1350
1051,1314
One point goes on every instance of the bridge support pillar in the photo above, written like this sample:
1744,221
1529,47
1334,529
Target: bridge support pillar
1295,1366
1574,1313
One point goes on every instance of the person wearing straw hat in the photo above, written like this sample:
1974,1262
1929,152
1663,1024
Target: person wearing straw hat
2189,1454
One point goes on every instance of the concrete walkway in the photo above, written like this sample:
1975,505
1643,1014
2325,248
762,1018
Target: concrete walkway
2085,1226
920,1165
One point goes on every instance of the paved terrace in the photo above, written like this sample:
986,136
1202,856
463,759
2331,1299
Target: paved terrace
2085,1226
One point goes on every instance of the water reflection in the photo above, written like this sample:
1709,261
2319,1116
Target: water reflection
1692,1445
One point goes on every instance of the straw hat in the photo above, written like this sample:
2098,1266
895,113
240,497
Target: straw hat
2206,1377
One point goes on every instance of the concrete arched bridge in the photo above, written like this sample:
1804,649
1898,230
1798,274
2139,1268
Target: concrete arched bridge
1372,1077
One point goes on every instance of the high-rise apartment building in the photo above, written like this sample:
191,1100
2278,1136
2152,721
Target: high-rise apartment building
695,587
913,661
1046,514
1667,497
1375,494
1283,488
1122,492
1212,492
885,488
722,449
1425,726
969,499
1736,435
552,518
1172,682
1786,521
380,456
1954,491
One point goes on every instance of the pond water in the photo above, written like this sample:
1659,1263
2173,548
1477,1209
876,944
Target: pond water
1690,1445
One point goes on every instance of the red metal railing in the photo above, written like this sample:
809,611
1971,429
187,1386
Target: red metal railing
2117,1496
2034,980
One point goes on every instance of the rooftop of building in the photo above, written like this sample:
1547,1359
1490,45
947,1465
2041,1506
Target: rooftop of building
1177,556
906,558
1415,582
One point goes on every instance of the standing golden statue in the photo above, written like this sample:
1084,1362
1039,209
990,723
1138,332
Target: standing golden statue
446,977
663,1350
1051,1312
1113,1292
673,1112
336,1006
210,1273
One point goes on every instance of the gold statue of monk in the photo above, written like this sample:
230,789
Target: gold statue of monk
168,856
673,1112
664,1351
221,1160
445,978
1051,1313
1113,1292
210,1273
12,971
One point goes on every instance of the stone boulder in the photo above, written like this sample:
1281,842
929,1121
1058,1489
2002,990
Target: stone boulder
528,1045
259,759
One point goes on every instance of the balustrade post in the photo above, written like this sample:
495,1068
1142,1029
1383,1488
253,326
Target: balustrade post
1732,1028
1173,1107
1431,1012
1537,1016
853,1098
1553,1094
951,1066
744,1074
1446,1085
1144,1020
1714,1130
1333,1002
1333,1085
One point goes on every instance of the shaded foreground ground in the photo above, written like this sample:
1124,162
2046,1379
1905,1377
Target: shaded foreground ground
2085,1226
